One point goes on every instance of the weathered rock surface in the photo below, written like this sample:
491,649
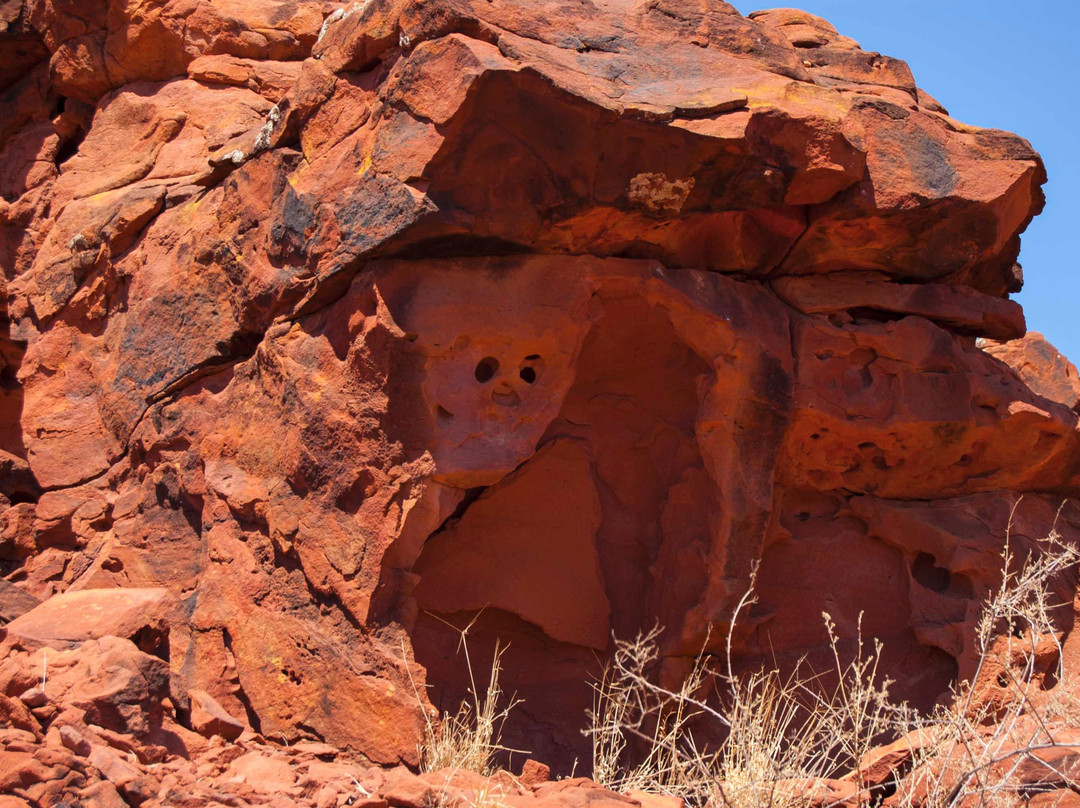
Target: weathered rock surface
330,327
76,616
1042,368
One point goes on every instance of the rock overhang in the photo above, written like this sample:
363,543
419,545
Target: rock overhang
688,145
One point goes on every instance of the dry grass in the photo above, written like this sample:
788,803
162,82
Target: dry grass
781,733
628,707
468,739
802,727
777,729
1006,716
779,736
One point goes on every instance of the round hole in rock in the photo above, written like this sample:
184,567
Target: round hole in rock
486,369
528,375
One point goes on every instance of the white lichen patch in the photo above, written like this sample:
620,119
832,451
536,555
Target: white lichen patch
331,18
262,139
341,14
659,194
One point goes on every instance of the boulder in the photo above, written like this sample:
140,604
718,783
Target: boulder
1041,366
91,614
117,686
14,601
210,718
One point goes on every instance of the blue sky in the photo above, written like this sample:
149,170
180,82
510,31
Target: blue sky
1009,65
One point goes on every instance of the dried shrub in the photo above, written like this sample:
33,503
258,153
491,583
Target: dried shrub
468,739
782,735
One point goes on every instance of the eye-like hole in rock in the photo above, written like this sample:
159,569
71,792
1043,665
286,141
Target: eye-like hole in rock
486,369
530,369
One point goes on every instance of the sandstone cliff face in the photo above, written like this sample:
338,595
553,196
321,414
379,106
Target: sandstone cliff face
339,325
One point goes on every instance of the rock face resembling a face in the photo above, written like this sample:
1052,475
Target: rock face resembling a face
499,346
344,329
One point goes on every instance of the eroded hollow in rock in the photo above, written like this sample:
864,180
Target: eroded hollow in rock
609,528
561,554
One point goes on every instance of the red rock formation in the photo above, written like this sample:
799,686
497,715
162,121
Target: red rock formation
1040,366
338,325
